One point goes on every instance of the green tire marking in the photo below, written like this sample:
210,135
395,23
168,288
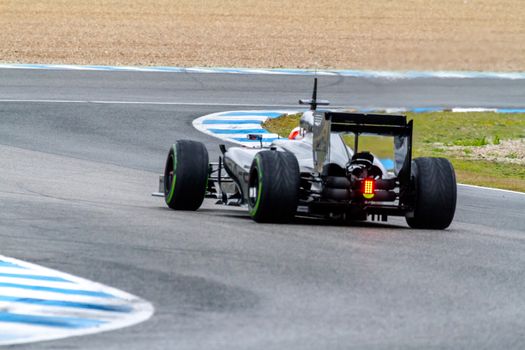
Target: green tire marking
253,211
172,189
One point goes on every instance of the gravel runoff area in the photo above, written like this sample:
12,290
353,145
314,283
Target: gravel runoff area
507,151
360,34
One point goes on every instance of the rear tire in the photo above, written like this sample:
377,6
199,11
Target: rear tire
435,193
273,187
186,175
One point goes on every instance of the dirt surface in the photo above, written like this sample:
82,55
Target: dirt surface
508,151
380,34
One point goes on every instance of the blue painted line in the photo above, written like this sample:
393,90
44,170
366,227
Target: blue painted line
68,304
49,321
301,71
165,69
425,109
35,277
8,264
231,121
306,72
387,163
8,336
510,110
239,131
231,71
96,67
90,293
250,114
367,110
109,68
242,139
436,109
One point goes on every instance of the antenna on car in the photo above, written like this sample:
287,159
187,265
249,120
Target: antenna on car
314,102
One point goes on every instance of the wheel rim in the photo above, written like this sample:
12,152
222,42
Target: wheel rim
168,175
253,188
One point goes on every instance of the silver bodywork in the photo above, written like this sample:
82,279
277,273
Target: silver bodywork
339,153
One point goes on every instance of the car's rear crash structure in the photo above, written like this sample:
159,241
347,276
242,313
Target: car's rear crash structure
319,175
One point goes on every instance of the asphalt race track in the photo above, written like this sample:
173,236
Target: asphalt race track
81,153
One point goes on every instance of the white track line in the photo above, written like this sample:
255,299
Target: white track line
218,104
492,189
269,105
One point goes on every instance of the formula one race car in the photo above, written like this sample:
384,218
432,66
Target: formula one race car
317,175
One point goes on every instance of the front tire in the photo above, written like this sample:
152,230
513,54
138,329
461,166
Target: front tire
273,187
186,175
435,193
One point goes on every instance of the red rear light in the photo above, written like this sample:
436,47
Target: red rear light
369,186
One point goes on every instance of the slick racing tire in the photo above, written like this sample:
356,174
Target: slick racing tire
273,187
186,175
435,193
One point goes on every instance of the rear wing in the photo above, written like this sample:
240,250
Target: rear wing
380,124
326,122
